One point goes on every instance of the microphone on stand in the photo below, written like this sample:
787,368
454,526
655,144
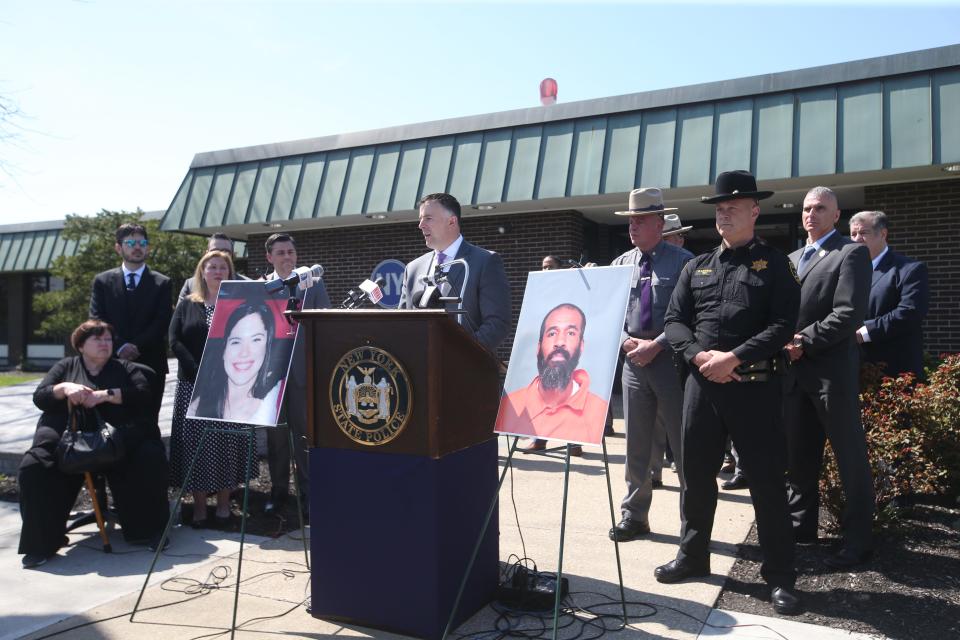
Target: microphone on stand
368,290
428,298
304,277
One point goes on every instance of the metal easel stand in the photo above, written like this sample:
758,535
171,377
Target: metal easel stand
296,489
563,527
251,437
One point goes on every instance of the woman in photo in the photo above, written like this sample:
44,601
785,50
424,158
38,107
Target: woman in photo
222,463
245,387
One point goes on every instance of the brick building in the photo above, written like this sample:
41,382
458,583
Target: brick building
884,133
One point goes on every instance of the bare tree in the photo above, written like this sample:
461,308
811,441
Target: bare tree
11,131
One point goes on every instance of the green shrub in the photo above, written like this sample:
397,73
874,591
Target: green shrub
913,440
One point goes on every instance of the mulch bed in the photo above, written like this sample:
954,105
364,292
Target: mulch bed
909,589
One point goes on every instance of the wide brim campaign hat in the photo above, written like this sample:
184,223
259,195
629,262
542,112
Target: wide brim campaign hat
731,185
672,226
645,201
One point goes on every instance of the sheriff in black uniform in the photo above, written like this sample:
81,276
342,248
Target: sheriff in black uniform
732,311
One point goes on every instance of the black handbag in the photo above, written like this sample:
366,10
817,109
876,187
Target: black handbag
88,448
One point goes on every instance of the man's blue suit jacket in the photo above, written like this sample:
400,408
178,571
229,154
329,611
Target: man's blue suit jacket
899,297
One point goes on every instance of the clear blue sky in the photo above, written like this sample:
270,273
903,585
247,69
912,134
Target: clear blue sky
117,96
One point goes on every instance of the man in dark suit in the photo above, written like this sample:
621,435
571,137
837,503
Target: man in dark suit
486,299
892,334
822,399
137,302
281,252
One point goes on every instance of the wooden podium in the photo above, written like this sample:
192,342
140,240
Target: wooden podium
401,406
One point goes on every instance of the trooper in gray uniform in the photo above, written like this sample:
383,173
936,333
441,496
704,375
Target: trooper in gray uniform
651,387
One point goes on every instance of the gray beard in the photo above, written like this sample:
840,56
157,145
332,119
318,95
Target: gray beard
557,376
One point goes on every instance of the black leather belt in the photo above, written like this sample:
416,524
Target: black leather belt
759,371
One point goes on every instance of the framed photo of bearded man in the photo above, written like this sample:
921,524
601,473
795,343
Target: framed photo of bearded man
564,355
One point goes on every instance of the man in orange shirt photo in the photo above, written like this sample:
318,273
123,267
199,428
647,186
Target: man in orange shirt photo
558,403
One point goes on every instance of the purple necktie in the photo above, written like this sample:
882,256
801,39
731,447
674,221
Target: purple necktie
646,294
441,258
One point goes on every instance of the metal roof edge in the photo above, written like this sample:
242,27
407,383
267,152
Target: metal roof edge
51,225
22,227
837,73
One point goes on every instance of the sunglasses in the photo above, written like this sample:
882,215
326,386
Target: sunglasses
133,243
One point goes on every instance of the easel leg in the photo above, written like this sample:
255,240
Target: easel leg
296,491
251,437
563,529
483,532
613,523
166,530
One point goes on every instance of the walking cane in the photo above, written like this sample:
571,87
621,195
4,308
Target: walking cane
92,492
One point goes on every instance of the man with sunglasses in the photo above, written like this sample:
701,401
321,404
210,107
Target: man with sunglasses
138,303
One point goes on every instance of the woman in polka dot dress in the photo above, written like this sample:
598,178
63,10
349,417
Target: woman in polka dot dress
221,465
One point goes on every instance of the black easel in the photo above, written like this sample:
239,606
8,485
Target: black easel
563,525
250,434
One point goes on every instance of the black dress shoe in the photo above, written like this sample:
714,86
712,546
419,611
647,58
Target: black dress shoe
657,484
628,529
729,464
785,601
535,445
681,569
33,560
847,559
734,483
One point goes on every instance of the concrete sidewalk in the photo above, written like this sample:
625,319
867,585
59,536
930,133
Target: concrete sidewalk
83,586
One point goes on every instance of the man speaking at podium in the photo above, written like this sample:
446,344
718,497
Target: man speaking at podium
486,299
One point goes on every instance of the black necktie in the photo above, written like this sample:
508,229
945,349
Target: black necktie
646,294
131,282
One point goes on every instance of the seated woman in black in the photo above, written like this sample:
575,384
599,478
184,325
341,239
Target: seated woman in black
119,391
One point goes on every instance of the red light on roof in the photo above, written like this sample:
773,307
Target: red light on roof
548,91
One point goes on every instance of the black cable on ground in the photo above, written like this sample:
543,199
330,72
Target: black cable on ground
215,581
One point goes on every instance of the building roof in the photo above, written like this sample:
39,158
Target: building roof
33,246
894,118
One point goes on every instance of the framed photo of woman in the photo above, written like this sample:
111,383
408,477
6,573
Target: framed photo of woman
246,357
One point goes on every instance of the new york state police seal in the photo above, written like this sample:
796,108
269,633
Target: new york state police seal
370,396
